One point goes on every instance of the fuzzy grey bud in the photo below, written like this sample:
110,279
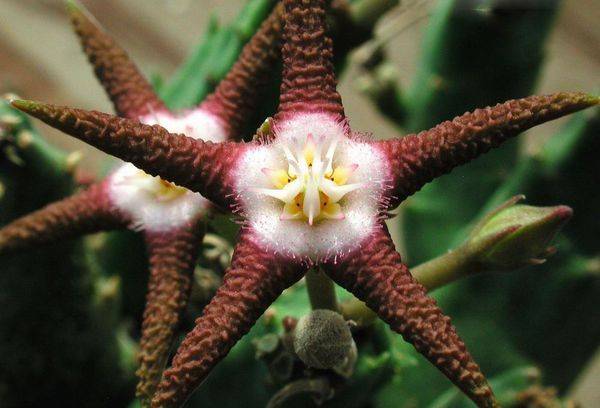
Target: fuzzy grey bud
323,340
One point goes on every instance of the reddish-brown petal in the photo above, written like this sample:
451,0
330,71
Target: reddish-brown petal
204,167
237,95
375,274
172,256
308,83
86,212
254,280
126,87
415,160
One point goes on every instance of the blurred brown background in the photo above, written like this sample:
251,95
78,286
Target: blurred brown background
40,58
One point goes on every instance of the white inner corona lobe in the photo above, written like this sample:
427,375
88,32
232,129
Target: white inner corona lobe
313,192
153,203
310,187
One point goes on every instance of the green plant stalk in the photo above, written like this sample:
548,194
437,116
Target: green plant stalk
321,291
110,249
37,154
444,269
357,311
464,43
381,86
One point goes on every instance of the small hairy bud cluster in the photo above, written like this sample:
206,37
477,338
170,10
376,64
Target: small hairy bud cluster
323,340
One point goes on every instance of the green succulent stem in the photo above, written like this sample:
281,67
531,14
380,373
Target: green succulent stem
357,311
84,312
444,269
321,291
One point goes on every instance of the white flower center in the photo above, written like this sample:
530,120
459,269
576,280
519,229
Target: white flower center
153,203
310,187
313,192
157,188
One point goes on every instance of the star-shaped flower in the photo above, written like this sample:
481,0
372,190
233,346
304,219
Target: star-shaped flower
170,217
283,184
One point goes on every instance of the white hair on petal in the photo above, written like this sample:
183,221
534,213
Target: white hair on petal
328,237
319,124
137,193
196,123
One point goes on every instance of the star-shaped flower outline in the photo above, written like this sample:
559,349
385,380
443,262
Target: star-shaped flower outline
373,271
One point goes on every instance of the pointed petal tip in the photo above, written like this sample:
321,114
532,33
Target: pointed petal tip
72,6
79,14
9,97
562,213
25,105
581,98
37,109
76,11
483,396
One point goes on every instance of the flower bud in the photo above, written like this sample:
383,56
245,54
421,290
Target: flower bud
515,235
323,340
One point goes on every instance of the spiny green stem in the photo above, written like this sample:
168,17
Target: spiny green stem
321,291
